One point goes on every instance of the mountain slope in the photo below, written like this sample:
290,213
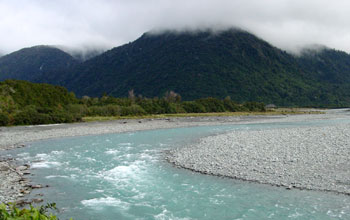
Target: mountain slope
327,65
231,63
194,65
36,64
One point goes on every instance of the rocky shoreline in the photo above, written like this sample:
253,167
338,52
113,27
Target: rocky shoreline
312,158
15,185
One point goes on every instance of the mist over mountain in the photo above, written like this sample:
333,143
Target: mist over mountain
284,23
84,53
199,64
327,65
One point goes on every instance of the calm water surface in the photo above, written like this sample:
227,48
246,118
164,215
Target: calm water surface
124,176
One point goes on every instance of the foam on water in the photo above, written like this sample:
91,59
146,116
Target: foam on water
56,176
23,155
124,144
89,159
122,172
98,203
46,164
55,152
167,215
42,156
112,151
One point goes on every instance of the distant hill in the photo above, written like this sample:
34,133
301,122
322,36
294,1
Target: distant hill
231,63
36,64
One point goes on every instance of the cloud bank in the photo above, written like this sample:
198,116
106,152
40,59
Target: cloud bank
91,24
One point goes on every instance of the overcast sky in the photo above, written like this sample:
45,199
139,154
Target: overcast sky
288,24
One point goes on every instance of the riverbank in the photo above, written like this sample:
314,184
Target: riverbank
12,137
18,136
312,158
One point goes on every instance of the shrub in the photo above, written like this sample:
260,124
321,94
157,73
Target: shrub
30,116
60,116
96,111
255,106
132,110
40,213
193,107
4,119
168,107
231,106
113,110
108,110
151,106
178,108
212,104
78,109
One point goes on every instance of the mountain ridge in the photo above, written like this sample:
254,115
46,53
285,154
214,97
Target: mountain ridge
231,63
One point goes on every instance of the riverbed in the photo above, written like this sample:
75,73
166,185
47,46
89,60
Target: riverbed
125,175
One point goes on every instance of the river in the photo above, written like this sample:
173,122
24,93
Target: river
125,176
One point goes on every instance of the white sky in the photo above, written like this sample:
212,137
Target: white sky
89,24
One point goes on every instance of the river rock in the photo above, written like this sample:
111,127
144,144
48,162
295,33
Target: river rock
38,186
4,168
26,172
37,200
22,202
21,168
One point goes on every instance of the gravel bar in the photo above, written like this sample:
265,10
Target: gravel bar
313,158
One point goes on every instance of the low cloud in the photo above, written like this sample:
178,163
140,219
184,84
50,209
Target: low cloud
288,24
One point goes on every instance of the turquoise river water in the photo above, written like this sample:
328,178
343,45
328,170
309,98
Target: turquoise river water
125,176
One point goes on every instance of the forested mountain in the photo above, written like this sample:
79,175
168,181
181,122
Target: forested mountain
192,64
326,65
231,63
36,64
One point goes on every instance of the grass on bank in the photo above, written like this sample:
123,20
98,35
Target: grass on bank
279,111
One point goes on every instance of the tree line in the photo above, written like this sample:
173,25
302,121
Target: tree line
24,103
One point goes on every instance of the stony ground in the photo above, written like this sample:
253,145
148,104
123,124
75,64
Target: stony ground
13,184
314,158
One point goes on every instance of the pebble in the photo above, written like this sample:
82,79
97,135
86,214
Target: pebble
4,168
38,186
37,200
21,168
